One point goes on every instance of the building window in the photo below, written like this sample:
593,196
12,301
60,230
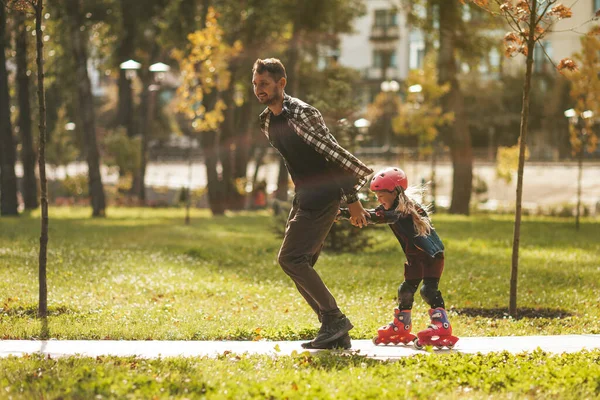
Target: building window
416,54
386,18
596,6
540,58
377,59
380,58
393,61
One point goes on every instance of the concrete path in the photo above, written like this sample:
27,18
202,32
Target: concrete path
155,349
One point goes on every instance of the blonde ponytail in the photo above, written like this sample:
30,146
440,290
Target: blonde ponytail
408,206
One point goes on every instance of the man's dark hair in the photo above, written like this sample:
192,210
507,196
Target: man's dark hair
271,65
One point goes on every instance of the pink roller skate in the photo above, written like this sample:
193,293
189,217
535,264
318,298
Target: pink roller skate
439,332
397,331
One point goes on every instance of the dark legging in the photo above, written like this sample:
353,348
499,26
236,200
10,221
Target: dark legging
422,268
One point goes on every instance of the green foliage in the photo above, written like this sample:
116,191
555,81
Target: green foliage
75,186
420,114
122,152
507,161
204,69
324,376
480,188
61,148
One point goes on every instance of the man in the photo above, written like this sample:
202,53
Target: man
323,173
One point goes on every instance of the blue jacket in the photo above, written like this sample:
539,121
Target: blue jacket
404,230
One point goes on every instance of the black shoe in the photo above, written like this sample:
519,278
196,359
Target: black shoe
342,343
332,329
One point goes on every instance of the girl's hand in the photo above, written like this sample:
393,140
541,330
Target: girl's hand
358,215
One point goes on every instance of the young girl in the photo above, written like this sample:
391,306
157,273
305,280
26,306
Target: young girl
425,262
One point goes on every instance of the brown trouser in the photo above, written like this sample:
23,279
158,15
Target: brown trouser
305,234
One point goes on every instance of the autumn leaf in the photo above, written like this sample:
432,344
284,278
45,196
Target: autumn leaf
523,50
561,11
568,64
594,31
512,37
506,7
509,51
522,6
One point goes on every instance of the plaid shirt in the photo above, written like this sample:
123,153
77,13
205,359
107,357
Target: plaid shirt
308,123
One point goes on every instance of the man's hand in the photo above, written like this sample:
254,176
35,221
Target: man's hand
358,215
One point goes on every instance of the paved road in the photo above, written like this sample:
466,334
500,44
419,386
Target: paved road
545,184
155,349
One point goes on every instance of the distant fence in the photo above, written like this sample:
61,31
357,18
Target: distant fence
488,154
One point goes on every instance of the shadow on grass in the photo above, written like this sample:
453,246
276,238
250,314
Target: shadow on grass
522,313
32,311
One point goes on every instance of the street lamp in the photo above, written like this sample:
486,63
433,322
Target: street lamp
362,125
415,88
581,130
158,71
390,86
130,67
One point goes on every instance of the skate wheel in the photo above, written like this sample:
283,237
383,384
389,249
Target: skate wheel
450,346
418,344
376,340
439,347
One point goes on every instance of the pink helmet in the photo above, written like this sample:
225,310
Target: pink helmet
389,179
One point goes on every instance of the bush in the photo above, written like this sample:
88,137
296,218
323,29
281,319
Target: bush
70,190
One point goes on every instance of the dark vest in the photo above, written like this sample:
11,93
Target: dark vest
318,182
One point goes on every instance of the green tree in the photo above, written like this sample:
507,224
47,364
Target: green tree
463,34
8,157
457,134
28,154
421,114
61,148
204,73
79,42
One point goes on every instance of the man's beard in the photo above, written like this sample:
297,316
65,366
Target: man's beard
269,101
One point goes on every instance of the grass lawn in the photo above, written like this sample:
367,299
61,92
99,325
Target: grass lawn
143,274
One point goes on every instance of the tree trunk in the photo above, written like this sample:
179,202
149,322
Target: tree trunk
43,289
215,188
8,177
28,156
258,161
188,199
146,134
210,146
228,144
457,134
579,176
79,47
243,143
512,309
429,18
125,51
